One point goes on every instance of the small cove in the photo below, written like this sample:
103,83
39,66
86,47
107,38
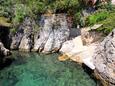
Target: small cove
33,69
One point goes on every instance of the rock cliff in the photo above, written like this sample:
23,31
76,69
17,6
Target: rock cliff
104,59
53,31
52,34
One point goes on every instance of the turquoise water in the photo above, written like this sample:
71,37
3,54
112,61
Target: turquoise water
32,69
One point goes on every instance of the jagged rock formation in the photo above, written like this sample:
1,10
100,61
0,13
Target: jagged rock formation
76,51
104,59
53,33
81,48
23,39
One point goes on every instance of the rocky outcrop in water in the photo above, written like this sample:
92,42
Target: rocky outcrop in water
81,48
53,33
23,38
104,59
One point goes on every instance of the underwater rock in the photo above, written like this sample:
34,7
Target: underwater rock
104,59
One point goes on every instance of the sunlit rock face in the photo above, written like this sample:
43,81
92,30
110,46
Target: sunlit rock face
82,48
104,59
23,38
48,38
75,50
54,31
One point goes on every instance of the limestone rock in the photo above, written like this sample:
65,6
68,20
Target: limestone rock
16,39
104,59
76,51
54,31
3,50
23,39
90,35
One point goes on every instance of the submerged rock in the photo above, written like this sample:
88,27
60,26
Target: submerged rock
104,59
54,31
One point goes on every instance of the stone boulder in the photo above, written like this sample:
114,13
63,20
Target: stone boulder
3,50
104,59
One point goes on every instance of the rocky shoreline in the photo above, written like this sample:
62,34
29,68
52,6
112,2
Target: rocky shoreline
99,57
53,36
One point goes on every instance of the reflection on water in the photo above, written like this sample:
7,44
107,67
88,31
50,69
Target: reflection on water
32,69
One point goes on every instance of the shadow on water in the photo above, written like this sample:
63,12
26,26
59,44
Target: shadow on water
91,74
5,62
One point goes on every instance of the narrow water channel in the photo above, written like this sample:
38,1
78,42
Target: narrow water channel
32,69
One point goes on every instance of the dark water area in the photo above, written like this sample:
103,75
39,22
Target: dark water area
32,69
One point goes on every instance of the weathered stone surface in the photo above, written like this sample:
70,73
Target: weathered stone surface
54,31
16,39
76,51
26,43
3,50
104,59
90,35
23,39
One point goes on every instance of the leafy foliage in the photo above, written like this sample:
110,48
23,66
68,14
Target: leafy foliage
97,17
16,10
108,24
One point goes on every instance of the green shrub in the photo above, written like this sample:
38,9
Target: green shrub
20,12
97,17
108,24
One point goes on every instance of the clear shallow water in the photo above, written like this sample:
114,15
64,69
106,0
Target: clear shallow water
32,69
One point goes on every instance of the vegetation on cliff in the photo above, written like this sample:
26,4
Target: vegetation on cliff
17,10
